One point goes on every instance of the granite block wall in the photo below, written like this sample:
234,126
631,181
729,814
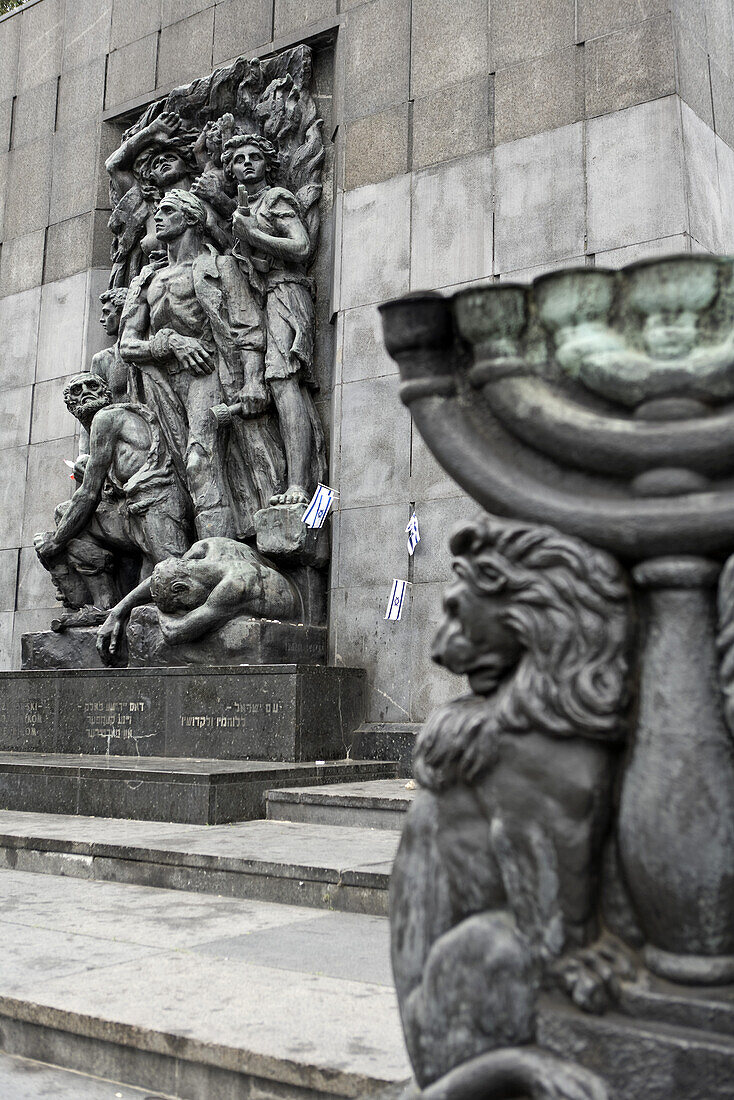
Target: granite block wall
488,139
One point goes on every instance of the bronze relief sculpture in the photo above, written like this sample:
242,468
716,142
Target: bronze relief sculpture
215,223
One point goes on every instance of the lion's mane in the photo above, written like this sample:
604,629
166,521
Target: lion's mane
569,605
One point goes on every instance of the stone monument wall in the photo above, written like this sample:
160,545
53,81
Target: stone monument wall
460,146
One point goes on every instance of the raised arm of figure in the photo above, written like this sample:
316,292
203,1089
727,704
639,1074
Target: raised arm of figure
120,164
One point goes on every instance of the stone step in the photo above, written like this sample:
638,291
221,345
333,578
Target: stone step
26,1079
371,804
199,792
196,997
323,866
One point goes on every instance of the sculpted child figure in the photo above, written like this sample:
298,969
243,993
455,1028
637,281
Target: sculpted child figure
273,246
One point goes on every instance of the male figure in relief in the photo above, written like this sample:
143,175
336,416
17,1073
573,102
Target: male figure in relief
194,331
273,246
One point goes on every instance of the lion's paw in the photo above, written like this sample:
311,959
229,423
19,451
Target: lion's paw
592,977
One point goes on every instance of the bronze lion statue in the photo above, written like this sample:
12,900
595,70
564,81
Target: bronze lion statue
497,877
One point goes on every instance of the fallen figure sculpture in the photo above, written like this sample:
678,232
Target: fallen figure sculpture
214,582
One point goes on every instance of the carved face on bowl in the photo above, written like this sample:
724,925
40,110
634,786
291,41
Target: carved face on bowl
166,169
85,394
670,335
670,295
248,165
474,639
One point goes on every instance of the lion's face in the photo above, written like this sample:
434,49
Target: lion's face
542,622
473,638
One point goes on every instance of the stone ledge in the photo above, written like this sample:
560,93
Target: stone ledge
197,792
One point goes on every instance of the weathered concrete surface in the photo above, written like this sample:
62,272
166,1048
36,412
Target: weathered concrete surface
43,650
324,866
168,989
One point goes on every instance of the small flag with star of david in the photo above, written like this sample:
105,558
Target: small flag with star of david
318,509
397,600
413,533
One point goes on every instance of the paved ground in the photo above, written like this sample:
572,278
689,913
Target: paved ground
274,986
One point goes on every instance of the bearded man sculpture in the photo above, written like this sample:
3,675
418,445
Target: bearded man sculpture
130,502
497,878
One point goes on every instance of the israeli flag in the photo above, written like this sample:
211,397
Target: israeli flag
397,600
413,533
317,511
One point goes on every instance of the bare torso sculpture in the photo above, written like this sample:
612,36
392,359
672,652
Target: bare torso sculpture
130,500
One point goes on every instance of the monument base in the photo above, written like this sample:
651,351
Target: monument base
251,712
242,641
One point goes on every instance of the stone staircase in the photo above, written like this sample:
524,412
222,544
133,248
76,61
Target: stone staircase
162,788
374,804
207,962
